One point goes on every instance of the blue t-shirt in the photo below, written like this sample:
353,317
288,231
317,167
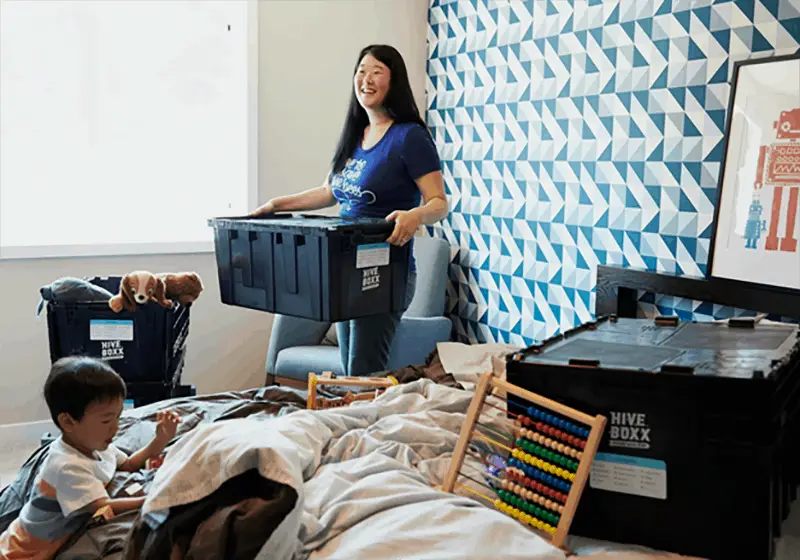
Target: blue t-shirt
380,180
377,181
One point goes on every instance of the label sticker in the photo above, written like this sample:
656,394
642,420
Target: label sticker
374,254
110,330
371,279
629,475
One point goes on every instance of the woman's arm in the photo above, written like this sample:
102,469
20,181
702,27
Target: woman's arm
434,201
312,199
434,208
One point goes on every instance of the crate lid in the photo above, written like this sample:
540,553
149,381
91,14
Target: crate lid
691,348
306,224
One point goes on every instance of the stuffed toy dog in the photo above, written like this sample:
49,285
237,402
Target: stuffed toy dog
141,286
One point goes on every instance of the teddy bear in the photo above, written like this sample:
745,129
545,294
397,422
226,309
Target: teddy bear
141,286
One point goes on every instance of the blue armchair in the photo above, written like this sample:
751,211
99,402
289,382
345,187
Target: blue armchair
298,346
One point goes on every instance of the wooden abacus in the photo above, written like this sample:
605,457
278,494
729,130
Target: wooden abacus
547,463
317,402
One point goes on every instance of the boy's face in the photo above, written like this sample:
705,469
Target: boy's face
97,428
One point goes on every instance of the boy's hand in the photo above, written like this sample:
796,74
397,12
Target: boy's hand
166,426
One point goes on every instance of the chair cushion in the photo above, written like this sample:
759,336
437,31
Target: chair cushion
433,261
296,362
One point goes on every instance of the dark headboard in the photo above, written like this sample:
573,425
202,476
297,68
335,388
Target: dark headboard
617,289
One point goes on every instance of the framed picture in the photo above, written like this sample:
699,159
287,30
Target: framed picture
756,226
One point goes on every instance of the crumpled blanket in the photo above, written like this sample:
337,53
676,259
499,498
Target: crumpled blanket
136,429
365,480
432,369
69,289
363,483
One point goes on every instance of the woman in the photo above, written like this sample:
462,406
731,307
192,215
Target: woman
385,164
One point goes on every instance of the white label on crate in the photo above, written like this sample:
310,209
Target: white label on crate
374,254
371,279
110,330
629,475
112,350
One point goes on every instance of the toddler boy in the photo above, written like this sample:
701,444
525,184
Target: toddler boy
85,397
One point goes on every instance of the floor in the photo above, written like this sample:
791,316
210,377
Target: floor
11,459
788,547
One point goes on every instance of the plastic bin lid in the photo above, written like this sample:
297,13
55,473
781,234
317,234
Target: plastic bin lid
303,223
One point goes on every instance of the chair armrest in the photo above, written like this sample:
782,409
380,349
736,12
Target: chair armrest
416,338
293,331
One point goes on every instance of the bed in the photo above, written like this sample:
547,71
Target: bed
253,474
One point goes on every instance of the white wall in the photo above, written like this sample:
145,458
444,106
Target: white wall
307,75
307,52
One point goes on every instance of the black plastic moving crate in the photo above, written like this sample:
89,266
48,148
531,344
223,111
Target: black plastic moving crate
315,267
142,394
144,346
695,455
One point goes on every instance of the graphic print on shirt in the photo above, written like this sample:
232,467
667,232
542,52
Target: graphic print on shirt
346,186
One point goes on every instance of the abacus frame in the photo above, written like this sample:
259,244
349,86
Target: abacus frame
487,383
317,402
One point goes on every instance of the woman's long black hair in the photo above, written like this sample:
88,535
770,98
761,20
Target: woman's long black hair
399,103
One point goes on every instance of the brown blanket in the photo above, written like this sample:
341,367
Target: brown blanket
233,523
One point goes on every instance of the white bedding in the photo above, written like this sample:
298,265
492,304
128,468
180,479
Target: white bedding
365,476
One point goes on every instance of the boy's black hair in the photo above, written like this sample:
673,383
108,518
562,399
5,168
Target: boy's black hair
77,381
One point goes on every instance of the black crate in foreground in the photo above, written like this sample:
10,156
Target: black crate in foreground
316,267
141,394
694,456
144,346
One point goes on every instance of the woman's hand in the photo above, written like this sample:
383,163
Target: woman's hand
263,210
406,224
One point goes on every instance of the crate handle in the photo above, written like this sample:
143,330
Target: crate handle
367,238
667,320
289,253
677,368
584,362
241,257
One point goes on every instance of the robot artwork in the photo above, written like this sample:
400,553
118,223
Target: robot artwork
754,226
779,167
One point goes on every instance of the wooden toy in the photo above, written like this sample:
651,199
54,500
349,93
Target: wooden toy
543,464
317,402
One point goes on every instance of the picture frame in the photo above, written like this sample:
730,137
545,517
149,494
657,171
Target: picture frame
756,227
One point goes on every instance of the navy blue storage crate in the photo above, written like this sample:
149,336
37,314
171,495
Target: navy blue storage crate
144,346
702,418
141,394
316,267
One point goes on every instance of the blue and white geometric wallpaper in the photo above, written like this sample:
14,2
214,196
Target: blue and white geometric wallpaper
582,132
